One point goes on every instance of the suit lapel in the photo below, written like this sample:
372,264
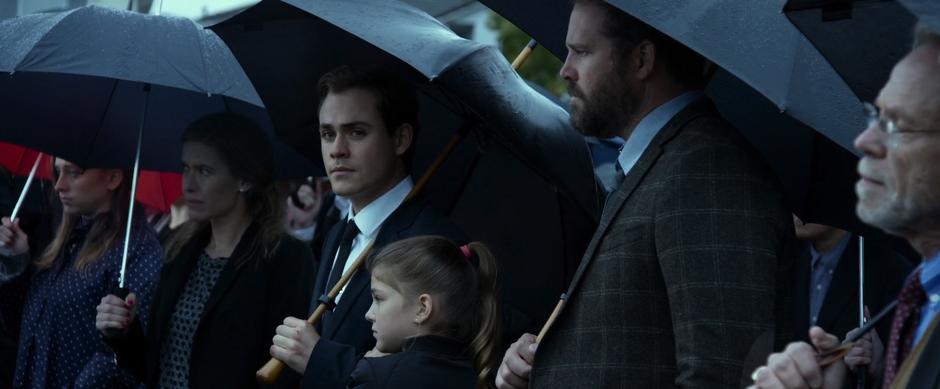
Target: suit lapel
326,264
393,229
232,268
843,290
633,178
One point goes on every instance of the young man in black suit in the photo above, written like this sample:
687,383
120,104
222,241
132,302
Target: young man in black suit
368,124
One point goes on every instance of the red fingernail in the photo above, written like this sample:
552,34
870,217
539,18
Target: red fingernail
130,303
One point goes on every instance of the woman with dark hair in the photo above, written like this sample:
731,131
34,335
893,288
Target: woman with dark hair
233,271
59,346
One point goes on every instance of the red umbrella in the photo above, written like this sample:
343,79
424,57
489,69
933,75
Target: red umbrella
19,161
156,190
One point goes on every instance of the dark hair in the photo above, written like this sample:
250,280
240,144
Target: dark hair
924,35
397,99
467,288
103,234
246,151
686,67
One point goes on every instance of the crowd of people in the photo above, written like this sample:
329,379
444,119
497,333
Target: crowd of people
698,274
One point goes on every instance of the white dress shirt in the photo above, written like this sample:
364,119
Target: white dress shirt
369,220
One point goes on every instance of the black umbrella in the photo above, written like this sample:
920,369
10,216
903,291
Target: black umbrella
108,88
76,82
521,181
927,11
861,39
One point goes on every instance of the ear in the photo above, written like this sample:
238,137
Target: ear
404,136
243,186
115,176
425,309
643,57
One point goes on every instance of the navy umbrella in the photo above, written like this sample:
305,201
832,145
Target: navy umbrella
75,85
109,88
521,181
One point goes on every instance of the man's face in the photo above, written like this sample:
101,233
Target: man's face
602,97
359,154
899,187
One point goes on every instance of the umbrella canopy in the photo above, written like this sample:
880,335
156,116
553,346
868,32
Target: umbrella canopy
754,42
927,11
76,84
862,40
521,182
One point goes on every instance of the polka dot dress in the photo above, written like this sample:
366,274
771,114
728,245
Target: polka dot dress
174,361
59,345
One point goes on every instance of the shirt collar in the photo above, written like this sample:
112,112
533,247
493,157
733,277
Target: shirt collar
930,275
371,217
649,126
830,259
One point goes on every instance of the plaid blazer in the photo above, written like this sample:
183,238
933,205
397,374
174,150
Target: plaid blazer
685,278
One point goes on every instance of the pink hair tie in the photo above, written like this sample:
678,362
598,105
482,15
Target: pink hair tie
465,249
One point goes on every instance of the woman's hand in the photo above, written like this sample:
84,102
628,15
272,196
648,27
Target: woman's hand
115,313
13,241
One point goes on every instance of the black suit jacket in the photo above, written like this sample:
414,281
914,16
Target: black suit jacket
234,334
885,271
345,333
427,362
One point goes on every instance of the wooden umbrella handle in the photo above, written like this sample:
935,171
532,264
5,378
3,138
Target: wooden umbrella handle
551,318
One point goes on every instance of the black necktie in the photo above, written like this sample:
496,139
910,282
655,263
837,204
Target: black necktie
350,230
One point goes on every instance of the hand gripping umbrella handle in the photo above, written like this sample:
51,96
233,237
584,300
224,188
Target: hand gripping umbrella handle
121,293
6,251
272,370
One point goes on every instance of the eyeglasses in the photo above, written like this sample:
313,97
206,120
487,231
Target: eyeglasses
885,125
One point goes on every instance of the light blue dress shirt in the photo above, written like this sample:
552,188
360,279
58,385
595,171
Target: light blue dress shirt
649,126
930,281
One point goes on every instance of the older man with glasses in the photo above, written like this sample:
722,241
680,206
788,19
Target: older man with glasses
899,192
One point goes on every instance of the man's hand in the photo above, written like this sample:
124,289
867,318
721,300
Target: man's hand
13,241
293,343
798,367
517,364
867,351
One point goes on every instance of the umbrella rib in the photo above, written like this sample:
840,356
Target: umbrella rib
104,114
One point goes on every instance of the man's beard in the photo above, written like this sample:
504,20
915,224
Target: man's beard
607,111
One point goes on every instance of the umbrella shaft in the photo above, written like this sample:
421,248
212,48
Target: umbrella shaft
29,182
861,280
130,207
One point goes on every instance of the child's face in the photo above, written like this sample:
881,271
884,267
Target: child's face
392,316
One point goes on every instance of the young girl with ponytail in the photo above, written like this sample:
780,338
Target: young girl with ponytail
434,310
